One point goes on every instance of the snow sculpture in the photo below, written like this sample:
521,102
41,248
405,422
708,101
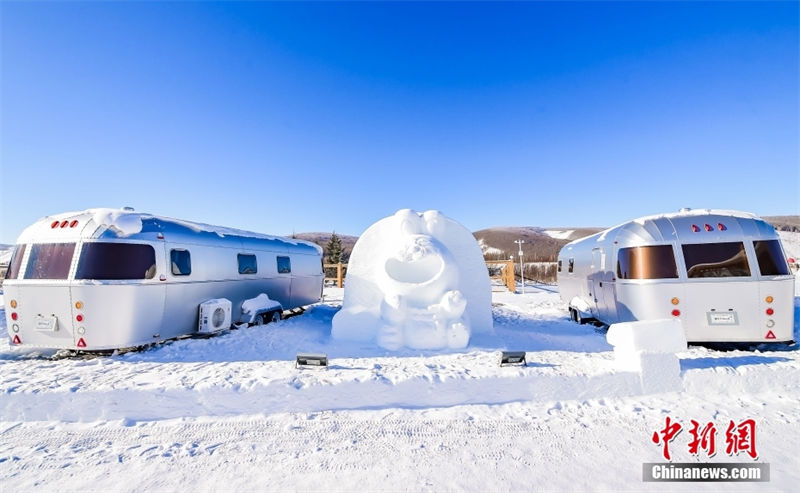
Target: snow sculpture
416,280
648,348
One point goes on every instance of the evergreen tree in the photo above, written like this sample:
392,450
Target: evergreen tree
333,249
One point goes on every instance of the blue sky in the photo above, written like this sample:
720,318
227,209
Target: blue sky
281,117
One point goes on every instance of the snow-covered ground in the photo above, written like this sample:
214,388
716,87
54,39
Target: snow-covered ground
233,413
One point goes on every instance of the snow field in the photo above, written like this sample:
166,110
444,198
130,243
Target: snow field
232,413
558,234
557,446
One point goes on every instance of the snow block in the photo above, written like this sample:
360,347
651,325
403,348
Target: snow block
660,336
416,280
648,348
660,372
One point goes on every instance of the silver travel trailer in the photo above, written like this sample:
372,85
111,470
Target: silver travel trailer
724,274
106,279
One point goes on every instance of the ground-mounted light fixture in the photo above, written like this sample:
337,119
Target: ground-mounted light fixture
311,360
508,358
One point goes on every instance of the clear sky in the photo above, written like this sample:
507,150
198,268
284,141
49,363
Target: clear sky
281,117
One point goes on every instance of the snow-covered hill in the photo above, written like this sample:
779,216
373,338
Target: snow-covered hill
791,243
5,254
232,412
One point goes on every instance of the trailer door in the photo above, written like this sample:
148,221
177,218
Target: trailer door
609,301
604,286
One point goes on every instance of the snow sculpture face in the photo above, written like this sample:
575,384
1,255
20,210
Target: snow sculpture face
406,286
420,267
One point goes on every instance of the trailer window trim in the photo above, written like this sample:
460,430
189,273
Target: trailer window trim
16,261
770,257
716,260
116,261
559,265
284,264
51,261
647,262
181,265
248,263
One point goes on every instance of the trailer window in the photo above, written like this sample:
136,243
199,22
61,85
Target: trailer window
49,261
284,265
16,262
571,265
647,262
716,260
116,261
247,264
771,261
559,266
181,262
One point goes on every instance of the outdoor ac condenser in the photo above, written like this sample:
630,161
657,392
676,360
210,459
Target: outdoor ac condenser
215,315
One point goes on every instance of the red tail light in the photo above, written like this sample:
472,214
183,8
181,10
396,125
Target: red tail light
73,223
721,227
695,228
676,313
64,223
14,315
79,318
54,225
770,311
708,227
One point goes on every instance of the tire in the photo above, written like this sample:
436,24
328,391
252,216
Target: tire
274,317
579,318
260,319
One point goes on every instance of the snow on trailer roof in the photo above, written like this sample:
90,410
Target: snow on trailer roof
669,217
123,223
687,212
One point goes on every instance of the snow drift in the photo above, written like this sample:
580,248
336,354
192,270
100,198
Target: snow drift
416,280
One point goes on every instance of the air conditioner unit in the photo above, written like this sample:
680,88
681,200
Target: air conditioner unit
215,315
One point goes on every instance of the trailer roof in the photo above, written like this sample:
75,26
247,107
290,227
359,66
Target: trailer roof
677,225
126,223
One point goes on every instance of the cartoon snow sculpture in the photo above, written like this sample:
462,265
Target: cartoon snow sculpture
415,280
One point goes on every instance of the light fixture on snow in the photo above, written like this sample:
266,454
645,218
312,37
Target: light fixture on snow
310,359
513,358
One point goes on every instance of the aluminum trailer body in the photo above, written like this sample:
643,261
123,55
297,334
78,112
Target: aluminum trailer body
724,274
105,279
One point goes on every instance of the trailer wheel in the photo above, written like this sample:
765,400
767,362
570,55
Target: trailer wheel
261,319
274,316
579,318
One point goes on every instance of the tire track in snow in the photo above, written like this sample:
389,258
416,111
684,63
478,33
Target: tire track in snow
51,447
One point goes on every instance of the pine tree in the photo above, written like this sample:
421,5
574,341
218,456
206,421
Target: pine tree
333,249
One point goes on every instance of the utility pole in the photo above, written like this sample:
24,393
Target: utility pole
521,263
